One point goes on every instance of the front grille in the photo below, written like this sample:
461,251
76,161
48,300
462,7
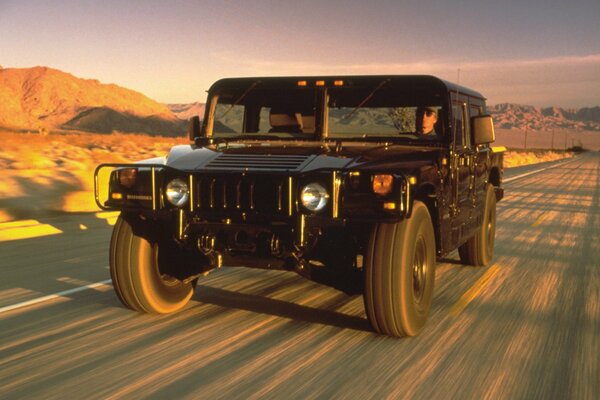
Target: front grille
258,162
244,194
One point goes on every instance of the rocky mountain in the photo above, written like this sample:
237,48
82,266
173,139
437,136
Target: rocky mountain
515,116
42,98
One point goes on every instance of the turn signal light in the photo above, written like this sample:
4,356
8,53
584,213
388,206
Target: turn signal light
382,184
389,206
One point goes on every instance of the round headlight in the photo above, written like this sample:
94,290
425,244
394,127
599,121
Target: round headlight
177,192
314,197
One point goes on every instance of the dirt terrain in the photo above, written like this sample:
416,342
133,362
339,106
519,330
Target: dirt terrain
45,174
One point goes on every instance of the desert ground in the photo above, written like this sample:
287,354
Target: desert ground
46,174
558,139
54,173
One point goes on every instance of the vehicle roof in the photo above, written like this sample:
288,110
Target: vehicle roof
415,81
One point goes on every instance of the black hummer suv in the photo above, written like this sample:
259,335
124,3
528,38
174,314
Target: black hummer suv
357,182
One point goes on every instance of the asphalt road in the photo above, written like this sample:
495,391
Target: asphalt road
526,327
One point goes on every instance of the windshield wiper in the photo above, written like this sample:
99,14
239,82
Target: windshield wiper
239,99
362,103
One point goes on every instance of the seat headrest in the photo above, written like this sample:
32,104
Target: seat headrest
279,118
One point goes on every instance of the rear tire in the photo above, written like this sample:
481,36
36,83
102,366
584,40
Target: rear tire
136,273
479,250
400,273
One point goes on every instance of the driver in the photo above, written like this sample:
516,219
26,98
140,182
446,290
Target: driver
426,119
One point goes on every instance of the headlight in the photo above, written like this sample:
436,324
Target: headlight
314,197
177,192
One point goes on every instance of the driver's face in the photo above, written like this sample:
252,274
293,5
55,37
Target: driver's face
428,120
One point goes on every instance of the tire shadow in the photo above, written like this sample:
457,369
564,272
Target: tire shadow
264,305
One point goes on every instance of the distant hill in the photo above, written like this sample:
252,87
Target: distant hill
187,110
516,116
506,116
107,120
46,98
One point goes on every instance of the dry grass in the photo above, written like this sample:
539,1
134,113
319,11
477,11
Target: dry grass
518,158
54,173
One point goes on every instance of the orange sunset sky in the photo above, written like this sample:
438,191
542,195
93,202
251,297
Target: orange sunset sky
536,52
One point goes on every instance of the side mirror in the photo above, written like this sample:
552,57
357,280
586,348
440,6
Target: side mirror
482,127
194,128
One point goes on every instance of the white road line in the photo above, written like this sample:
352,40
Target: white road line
54,296
536,171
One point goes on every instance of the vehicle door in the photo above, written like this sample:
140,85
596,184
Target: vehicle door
462,164
481,160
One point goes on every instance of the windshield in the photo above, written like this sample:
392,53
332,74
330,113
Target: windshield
385,112
288,110
278,112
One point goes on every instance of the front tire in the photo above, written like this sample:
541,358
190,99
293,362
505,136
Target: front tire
135,269
400,273
479,250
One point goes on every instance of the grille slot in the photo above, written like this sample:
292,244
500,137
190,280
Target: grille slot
242,194
257,162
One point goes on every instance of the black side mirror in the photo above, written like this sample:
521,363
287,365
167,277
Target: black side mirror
194,128
482,127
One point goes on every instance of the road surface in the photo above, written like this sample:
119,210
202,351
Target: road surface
526,327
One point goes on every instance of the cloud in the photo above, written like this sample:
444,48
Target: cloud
567,81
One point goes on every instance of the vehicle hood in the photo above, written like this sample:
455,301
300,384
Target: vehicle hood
298,156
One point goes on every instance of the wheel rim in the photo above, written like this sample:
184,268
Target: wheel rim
159,276
419,270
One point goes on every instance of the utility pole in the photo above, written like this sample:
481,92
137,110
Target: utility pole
552,146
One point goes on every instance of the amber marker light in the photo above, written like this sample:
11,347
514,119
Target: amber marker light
117,196
338,83
320,83
382,184
389,206
302,83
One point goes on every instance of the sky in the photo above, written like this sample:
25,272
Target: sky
538,52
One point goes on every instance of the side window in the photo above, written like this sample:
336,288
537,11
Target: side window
475,110
458,130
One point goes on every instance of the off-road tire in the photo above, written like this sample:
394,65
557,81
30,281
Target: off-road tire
479,250
400,274
136,275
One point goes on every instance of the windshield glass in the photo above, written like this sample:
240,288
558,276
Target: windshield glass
382,112
284,109
279,112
